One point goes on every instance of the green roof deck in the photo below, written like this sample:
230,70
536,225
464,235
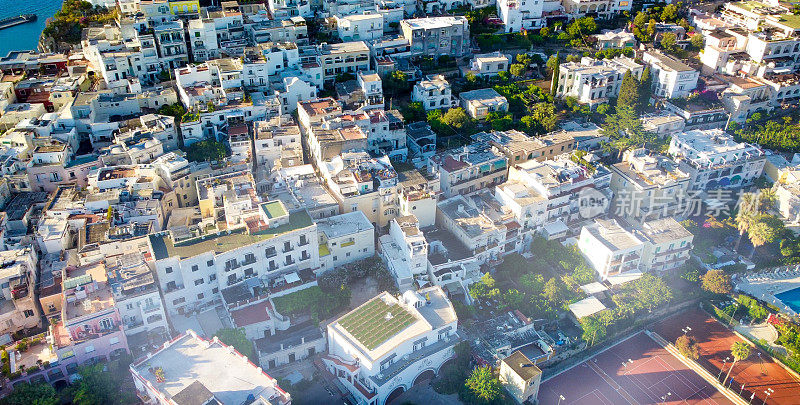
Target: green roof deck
749,5
163,246
790,20
273,209
370,325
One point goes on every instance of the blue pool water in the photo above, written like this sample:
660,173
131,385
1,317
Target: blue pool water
25,36
791,299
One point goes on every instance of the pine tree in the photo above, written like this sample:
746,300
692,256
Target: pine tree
628,92
645,90
556,67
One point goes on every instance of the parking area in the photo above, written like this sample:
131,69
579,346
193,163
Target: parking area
758,373
635,371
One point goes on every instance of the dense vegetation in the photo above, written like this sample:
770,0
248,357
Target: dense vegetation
207,150
74,16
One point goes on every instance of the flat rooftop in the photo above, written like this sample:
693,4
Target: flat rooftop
613,235
230,377
349,223
163,246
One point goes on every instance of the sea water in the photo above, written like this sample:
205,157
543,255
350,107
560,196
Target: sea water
25,36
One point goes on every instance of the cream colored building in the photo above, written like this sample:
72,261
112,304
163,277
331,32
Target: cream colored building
520,377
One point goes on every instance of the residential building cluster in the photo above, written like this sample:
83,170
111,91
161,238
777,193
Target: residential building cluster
116,240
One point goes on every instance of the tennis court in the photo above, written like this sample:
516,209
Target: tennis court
635,371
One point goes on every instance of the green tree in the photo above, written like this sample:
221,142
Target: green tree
594,329
765,229
239,341
485,288
554,65
645,89
687,346
670,13
396,83
174,110
554,291
484,385
31,394
716,281
456,118
98,386
669,42
532,283
545,115
628,91
206,150
517,69
603,109
698,41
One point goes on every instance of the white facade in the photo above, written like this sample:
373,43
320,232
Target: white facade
359,27
592,81
489,64
433,93
715,160
424,326
405,251
344,239
192,272
671,77
610,249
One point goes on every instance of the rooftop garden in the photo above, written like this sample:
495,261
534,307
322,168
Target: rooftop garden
376,322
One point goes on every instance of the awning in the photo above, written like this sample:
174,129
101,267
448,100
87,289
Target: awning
291,278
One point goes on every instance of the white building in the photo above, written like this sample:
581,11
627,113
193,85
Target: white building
479,103
671,77
548,197
186,370
405,251
344,239
594,82
648,186
271,244
614,39
714,159
489,64
381,348
611,249
518,15
359,27
433,93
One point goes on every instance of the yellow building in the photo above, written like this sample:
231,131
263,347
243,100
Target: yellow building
184,6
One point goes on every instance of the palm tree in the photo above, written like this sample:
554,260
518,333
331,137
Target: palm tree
740,351
744,217
764,229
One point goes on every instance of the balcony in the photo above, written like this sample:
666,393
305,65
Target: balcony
174,288
150,308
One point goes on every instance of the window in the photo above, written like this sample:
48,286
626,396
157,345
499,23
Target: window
168,270
178,301
209,263
199,281
89,349
195,268
28,313
114,340
271,252
215,290
212,278
200,296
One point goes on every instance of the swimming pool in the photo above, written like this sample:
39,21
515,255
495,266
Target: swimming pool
791,299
